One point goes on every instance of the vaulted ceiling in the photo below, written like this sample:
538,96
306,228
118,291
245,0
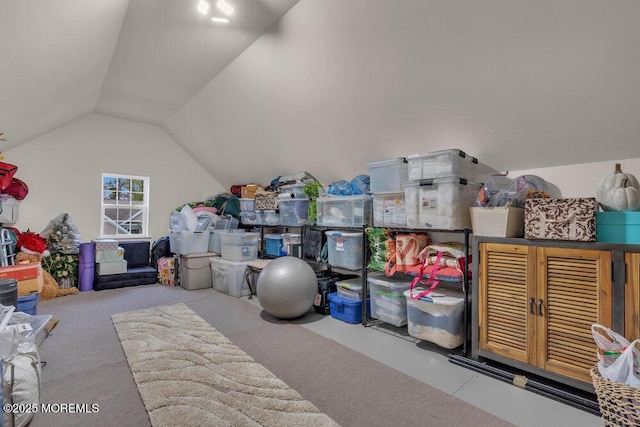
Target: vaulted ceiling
133,59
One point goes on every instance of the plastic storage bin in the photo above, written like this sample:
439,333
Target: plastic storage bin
437,318
344,211
273,244
442,164
293,212
195,271
247,205
387,175
214,239
345,310
350,289
228,277
388,302
441,203
292,191
28,304
226,222
345,249
188,242
389,210
239,246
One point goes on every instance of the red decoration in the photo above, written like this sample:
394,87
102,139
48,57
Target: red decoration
32,242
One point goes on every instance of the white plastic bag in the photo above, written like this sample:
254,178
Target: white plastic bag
625,369
610,344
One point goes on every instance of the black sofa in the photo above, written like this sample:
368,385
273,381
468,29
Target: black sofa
139,268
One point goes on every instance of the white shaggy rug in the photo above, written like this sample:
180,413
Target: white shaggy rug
189,374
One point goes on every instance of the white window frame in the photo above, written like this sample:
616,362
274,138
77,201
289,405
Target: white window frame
120,232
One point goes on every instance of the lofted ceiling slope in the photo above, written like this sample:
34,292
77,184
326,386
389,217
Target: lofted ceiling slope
133,59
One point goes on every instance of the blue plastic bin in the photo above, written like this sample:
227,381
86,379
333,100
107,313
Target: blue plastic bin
28,304
346,310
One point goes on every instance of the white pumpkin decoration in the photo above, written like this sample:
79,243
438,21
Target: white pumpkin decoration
619,192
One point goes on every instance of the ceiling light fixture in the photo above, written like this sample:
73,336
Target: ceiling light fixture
219,20
203,7
225,7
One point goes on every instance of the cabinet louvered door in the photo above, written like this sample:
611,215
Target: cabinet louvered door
573,292
506,283
632,297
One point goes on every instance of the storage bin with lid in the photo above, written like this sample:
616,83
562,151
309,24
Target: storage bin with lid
442,164
292,244
293,212
270,217
229,276
345,310
389,210
437,318
239,246
350,289
247,205
214,239
387,175
273,244
442,203
195,271
344,211
292,191
345,249
388,302
249,218
182,242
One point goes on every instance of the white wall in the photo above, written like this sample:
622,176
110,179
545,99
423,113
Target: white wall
336,84
63,170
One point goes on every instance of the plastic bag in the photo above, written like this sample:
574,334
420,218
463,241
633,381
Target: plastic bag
340,188
360,184
62,235
505,192
495,183
618,359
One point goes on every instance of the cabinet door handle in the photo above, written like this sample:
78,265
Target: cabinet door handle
540,302
532,305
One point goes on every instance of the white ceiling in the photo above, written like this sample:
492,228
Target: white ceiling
134,59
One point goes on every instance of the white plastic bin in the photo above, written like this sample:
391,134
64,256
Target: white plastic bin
441,203
188,242
350,289
442,164
387,175
438,318
247,205
292,244
292,191
389,210
214,239
239,246
388,302
228,277
345,249
344,211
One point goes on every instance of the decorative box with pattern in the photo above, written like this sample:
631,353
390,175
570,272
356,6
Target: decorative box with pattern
267,201
561,219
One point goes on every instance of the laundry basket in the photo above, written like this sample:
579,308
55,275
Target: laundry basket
619,402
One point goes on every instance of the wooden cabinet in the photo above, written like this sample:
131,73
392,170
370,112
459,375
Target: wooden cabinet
536,304
632,296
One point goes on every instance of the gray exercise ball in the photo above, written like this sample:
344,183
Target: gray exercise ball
287,287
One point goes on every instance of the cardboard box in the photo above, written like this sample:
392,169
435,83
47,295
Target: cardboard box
497,222
248,191
106,244
618,227
105,268
30,286
19,272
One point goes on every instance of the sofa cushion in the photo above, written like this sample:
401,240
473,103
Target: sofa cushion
137,254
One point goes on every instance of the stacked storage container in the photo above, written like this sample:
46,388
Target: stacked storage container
250,216
293,205
387,178
109,257
440,190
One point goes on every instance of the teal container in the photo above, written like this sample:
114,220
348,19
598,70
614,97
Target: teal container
28,304
618,227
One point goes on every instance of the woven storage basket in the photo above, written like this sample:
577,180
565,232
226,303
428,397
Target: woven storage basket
619,402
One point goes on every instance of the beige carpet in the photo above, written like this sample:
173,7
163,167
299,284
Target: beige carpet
188,373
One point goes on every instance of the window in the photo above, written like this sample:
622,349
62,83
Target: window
125,205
